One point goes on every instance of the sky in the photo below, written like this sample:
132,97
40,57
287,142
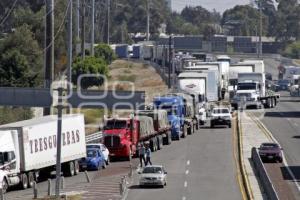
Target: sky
219,5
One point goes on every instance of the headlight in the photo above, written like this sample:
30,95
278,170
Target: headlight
160,178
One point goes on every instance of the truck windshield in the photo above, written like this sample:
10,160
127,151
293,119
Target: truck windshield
247,86
115,124
172,110
1,159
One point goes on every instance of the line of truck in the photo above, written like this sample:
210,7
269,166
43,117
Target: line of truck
172,117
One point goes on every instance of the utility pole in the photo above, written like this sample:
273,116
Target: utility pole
148,20
260,29
108,21
70,47
49,43
83,29
58,145
173,65
170,65
93,28
77,23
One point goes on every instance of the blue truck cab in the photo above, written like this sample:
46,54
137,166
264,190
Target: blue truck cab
174,105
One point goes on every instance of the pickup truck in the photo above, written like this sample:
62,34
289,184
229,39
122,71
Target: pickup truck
220,116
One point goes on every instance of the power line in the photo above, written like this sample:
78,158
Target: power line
9,12
60,27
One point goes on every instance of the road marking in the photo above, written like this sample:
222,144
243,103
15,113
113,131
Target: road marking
185,184
188,162
183,198
187,172
296,124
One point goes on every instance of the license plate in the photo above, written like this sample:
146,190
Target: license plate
270,157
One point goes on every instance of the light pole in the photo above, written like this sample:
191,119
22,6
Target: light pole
108,21
148,20
260,29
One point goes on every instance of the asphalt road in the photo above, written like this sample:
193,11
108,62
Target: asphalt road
284,124
199,167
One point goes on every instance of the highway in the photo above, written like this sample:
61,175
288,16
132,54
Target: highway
284,123
201,166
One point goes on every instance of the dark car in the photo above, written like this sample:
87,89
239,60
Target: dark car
270,152
95,160
283,84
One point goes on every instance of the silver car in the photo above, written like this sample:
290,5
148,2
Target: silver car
154,175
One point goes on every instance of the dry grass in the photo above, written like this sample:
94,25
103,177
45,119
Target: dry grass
297,61
127,75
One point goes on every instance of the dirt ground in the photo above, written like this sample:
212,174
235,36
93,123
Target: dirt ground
143,77
127,75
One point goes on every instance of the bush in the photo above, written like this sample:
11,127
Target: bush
293,50
104,51
90,66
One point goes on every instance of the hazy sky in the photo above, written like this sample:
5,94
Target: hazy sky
219,5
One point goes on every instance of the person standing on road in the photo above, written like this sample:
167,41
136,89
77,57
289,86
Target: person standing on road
142,154
148,156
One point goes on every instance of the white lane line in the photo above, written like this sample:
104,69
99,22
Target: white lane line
183,198
296,124
188,162
187,172
185,184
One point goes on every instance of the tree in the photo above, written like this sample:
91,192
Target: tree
293,50
105,52
20,59
244,21
89,66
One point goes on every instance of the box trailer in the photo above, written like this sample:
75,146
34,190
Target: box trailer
28,149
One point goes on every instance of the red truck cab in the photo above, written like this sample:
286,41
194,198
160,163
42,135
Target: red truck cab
121,136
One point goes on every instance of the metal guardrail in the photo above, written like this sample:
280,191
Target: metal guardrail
263,175
94,137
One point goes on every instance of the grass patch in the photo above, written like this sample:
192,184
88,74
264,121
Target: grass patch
127,71
91,116
130,78
297,61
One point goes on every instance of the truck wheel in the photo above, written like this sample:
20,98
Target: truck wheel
70,169
184,131
76,164
158,142
4,185
30,179
24,181
190,130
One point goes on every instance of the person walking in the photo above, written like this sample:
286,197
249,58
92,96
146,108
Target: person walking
148,156
142,154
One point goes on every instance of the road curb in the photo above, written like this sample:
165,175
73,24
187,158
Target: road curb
242,169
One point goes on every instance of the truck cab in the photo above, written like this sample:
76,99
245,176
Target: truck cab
247,94
174,105
120,136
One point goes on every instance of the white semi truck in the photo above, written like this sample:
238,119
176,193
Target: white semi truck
252,91
194,83
28,149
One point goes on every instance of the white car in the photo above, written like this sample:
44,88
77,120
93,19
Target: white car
154,175
220,116
103,148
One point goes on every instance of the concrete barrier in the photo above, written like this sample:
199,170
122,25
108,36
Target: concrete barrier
263,175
